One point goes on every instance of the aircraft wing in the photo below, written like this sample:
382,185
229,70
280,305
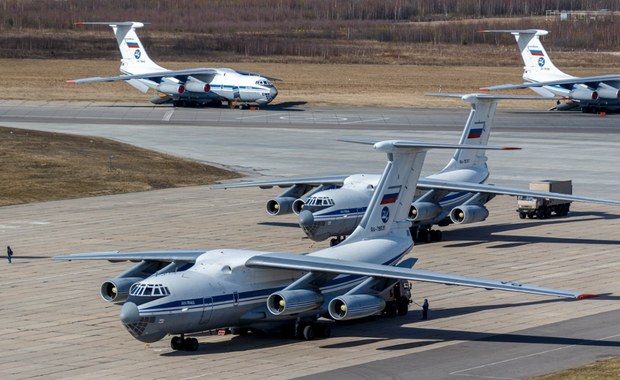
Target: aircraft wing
592,81
327,265
164,256
326,180
156,76
428,183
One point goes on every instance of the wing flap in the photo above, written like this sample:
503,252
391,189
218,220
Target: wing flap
428,183
165,256
325,180
323,264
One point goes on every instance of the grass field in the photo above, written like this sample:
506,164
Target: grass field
41,166
314,83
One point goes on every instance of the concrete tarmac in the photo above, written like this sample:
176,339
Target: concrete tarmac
56,325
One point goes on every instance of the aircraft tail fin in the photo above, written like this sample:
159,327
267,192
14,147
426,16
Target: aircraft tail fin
538,66
135,59
388,210
476,132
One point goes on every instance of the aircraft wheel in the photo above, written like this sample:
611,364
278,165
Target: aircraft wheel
308,333
190,344
176,343
436,235
325,330
522,215
403,306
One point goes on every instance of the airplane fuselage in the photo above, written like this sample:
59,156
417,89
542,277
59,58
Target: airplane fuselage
337,212
220,291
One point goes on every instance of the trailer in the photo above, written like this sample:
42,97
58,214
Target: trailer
542,208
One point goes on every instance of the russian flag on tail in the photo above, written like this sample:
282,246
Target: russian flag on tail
475,133
391,195
132,45
536,53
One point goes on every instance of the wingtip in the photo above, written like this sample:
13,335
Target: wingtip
70,82
511,148
485,89
586,295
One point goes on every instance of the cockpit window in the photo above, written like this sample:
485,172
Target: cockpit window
318,203
149,290
264,82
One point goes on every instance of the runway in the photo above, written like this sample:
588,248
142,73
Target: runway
56,326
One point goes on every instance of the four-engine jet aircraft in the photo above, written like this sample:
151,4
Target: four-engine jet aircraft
332,206
261,290
591,94
189,87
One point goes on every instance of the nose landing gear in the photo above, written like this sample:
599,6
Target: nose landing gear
180,343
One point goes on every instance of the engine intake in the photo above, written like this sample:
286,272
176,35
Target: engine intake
468,214
424,211
355,306
117,289
279,205
287,302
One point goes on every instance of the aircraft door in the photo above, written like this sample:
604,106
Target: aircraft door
207,309
236,94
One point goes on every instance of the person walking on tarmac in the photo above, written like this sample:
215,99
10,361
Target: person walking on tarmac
425,310
9,253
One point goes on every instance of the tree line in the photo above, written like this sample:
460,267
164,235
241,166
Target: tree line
292,28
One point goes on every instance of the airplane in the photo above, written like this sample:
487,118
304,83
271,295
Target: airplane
183,292
182,88
332,206
591,94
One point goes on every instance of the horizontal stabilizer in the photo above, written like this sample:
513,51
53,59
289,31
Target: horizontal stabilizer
471,97
426,146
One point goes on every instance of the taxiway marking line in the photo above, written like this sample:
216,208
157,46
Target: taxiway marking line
460,372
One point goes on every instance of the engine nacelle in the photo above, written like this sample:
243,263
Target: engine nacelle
197,86
424,211
287,302
117,289
606,91
583,93
171,88
468,214
279,205
298,206
353,306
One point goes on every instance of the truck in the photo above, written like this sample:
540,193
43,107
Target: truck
541,208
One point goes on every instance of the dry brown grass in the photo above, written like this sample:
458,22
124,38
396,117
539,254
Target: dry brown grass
600,370
41,166
315,83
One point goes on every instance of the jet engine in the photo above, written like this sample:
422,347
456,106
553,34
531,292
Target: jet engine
117,289
171,88
284,203
468,214
583,93
298,206
293,301
279,205
352,306
424,211
606,91
194,85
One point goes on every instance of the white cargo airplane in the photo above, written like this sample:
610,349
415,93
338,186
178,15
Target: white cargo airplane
332,206
591,94
226,288
191,87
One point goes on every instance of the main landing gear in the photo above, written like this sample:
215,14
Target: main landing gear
180,343
311,330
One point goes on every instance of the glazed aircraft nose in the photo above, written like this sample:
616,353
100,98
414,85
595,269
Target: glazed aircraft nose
306,219
130,313
273,92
